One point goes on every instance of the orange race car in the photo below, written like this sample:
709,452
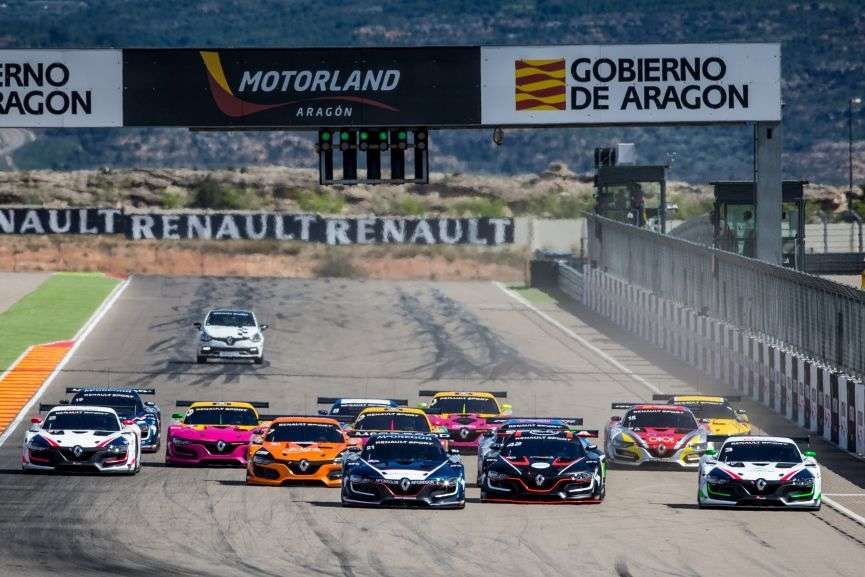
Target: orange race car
297,449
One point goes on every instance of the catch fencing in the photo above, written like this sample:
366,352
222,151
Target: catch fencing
754,326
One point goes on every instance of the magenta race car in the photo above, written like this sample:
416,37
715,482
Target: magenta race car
212,433
464,414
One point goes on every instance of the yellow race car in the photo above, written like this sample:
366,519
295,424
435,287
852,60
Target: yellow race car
719,417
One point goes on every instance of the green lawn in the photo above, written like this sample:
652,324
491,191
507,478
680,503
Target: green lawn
53,312
533,295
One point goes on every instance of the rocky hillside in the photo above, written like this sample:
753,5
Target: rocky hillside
822,44
556,192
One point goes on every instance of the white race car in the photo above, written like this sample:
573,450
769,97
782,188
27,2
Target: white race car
230,334
751,471
82,438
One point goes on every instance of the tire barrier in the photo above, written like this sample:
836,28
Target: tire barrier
809,392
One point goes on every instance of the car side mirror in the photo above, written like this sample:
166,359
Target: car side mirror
453,451
36,420
128,422
507,409
704,421
322,412
258,431
149,404
197,325
489,434
178,416
810,453
64,402
422,405
591,447
263,327
616,418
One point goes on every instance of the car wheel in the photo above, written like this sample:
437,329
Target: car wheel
259,360
201,359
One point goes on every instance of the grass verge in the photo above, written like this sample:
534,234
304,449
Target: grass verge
533,295
53,312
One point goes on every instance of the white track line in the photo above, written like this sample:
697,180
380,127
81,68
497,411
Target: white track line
520,299
844,510
79,338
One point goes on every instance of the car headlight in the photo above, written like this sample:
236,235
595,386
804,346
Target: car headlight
447,483
256,338
496,476
180,442
38,443
803,479
360,479
118,445
620,443
581,476
717,477
263,457
205,338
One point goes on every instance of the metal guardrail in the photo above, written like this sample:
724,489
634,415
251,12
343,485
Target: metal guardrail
571,282
821,319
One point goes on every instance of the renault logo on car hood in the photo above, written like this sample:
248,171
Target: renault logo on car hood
404,484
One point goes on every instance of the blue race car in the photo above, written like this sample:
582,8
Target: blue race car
404,469
127,403
345,410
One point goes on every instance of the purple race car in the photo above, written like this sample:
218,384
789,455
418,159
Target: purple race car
464,414
212,433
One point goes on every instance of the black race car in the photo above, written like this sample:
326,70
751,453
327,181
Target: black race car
544,467
128,404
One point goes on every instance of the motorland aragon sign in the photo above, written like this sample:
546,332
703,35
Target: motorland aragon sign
61,88
630,84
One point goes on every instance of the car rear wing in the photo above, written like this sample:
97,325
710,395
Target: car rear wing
269,417
722,438
588,433
727,398
431,393
622,406
73,390
569,421
256,404
48,406
332,400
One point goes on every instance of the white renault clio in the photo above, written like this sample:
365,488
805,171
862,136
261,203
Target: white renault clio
230,334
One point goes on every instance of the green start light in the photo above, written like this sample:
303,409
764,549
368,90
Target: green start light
344,136
382,135
325,136
401,135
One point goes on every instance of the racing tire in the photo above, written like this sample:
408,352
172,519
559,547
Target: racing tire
601,492
258,360
201,359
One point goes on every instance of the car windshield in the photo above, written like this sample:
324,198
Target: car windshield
304,433
760,451
379,450
352,409
126,406
659,419
392,422
483,405
220,416
81,421
711,410
230,319
540,447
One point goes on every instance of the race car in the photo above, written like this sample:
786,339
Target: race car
654,434
544,467
127,403
506,426
297,449
212,432
404,469
464,414
752,471
230,334
720,418
389,419
346,410
82,438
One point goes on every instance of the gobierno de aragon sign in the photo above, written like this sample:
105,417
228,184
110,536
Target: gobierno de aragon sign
435,87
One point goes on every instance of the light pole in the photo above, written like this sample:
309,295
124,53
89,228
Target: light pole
854,100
